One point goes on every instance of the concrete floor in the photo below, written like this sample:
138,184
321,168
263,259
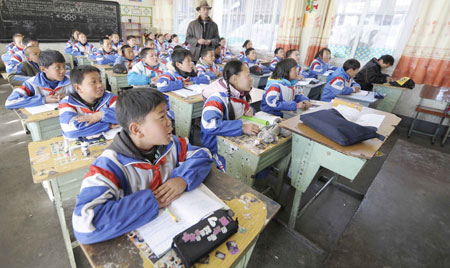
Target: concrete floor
31,236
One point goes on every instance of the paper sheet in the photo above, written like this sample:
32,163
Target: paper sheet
186,92
42,108
353,115
361,93
110,134
197,88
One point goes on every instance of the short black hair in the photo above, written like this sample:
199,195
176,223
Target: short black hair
216,46
351,64
27,39
144,52
248,50
290,52
122,49
222,38
48,57
387,59
26,51
283,68
133,105
78,72
179,54
276,50
17,35
159,35
320,53
114,34
174,35
129,37
102,40
205,51
245,43
148,40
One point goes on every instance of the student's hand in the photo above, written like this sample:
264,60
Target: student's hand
187,83
51,99
154,80
356,89
114,126
170,190
164,204
218,73
389,79
60,95
300,77
91,119
303,105
249,112
250,129
307,104
207,42
201,41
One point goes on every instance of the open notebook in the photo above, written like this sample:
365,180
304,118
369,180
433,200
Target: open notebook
363,119
191,90
188,209
42,108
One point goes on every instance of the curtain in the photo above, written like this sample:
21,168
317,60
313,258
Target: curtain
163,16
324,20
290,28
426,58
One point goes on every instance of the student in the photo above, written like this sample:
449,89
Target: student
82,47
280,93
295,54
115,41
247,44
225,53
227,101
217,54
149,43
167,41
19,56
128,59
206,65
14,47
89,110
48,86
147,71
340,82
321,63
144,169
152,36
174,41
131,41
27,68
250,60
278,56
371,72
159,42
73,39
106,54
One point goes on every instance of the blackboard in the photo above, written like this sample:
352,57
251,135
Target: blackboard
53,20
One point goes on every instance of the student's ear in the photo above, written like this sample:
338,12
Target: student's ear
77,88
42,68
177,64
135,129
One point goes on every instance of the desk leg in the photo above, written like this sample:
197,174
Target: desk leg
183,116
113,83
282,166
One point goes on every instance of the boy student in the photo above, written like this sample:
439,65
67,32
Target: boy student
115,41
371,72
27,68
106,55
340,82
89,110
131,41
247,44
278,56
144,169
19,56
217,55
206,65
147,71
82,47
13,47
48,86
321,63
250,60
295,54
128,59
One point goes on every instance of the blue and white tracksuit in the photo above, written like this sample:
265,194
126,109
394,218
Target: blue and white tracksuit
302,72
338,83
71,107
69,47
225,53
251,63
34,90
15,60
106,58
116,194
215,119
242,55
82,49
281,95
172,80
203,68
141,74
9,53
273,63
319,67
117,46
128,63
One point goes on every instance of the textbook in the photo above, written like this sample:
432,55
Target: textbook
360,118
42,108
185,93
181,214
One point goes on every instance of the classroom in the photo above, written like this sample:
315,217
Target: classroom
225,133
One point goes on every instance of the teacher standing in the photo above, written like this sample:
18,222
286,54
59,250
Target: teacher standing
202,32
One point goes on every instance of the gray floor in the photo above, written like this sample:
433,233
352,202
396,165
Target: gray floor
31,235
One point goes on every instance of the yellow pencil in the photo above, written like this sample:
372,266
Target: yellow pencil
171,215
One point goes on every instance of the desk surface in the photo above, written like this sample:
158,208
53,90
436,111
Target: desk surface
48,160
369,98
121,252
390,86
112,74
256,95
365,149
25,116
103,66
435,93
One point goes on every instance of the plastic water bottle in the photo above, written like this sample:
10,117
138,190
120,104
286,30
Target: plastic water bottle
85,148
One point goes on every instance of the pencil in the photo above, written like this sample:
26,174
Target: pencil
173,216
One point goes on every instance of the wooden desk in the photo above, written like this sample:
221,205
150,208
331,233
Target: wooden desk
311,150
366,101
65,174
116,81
42,126
103,68
120,252
390,100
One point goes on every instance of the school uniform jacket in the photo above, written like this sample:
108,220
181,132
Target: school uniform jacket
171,80
69,47
116,194
34,90
273,63
9,54
16,58
338,83
117,46
82,49
256,62
205,69
141,73
319,67
24,71
103,57
73,106
225,53
128,63
301,71
241,55
280,95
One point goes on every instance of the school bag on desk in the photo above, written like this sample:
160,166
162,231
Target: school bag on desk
405,82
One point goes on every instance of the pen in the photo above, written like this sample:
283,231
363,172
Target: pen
171,215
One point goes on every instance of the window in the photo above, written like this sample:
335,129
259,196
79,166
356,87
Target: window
365,29
184,12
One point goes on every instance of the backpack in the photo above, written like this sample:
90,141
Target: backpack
404,82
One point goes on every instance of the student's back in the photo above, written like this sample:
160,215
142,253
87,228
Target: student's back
371,72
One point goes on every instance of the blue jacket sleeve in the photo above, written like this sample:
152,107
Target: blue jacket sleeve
136,79
213,122
201,79
273,99
300,98
166,84
19,98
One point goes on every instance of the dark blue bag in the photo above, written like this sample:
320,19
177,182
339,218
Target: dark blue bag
334,126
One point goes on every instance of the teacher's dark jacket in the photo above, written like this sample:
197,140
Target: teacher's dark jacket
370,74
196,31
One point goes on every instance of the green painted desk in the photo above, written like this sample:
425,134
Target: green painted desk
70,59
103,68
83,60
42,126
392,95
65,173
120,252
116,81
311,150
366,101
